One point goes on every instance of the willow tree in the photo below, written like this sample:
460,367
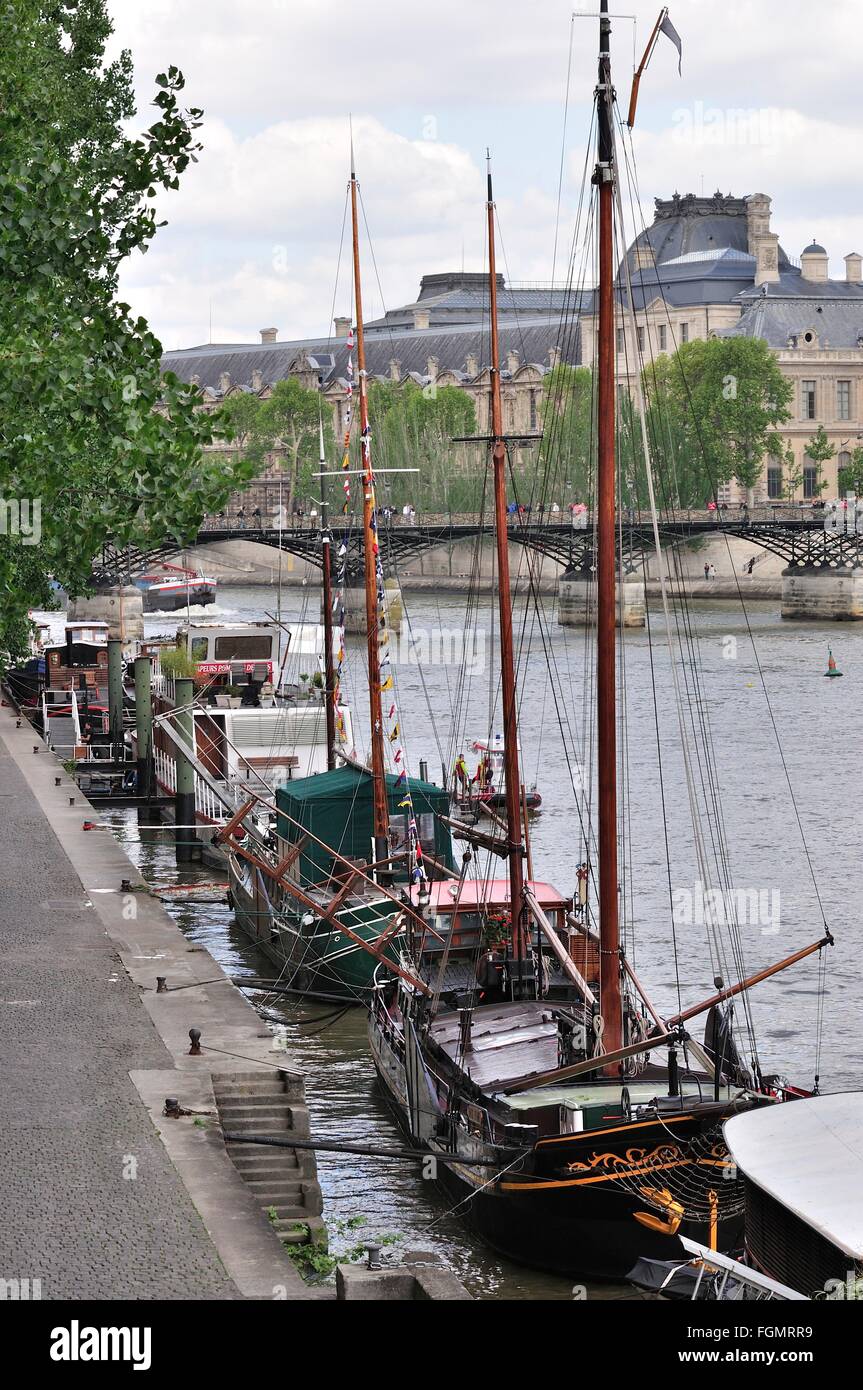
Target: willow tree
713,408
93,437
417,427
283,429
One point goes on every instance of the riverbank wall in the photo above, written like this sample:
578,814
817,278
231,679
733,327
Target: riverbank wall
104,1195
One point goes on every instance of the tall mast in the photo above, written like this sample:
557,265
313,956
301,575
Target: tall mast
380,804
512,780
609,929
326,557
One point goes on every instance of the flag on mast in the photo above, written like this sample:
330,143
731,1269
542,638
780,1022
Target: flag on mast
668,29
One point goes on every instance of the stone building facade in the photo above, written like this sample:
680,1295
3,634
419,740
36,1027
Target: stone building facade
705,267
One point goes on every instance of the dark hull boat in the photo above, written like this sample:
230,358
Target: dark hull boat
580,1204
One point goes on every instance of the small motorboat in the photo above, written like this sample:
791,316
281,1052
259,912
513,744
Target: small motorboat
486,789
180,588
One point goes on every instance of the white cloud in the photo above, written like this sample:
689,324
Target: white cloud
255,227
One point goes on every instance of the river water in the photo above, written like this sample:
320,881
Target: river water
804,731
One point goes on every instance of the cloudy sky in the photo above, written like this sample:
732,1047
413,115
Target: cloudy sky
768,102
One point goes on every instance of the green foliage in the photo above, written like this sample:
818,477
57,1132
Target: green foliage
851,475
87,424
286,424
712,409
176,662
316,1262
414,427
567,454
782,456
819,449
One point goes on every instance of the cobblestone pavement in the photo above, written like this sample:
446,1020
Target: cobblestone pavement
72,1126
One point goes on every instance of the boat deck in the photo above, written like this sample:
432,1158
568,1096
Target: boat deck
508,1042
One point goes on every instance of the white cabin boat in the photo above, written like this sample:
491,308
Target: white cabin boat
254,729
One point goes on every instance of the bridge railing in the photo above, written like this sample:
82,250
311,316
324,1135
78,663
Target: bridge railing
571,518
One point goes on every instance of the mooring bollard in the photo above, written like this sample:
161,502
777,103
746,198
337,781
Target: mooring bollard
71,801
125,885
195,1035
35,748
374,1255
161,984
58,781
172,1107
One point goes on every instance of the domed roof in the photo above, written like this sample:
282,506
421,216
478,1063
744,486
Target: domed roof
814,249
685,225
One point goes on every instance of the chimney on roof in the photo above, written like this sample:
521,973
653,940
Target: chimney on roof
269,335
224,382
471,364
554,357
257,379
766,258
421,318
757,220
854,268
195,380
513,361
342,326
395,369
644,257
431,368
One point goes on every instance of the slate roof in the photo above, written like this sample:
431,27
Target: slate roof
533,339
837,322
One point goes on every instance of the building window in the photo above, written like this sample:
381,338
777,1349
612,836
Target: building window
620,341
684,332
807,400
663,337
843,400
533,416
639,334
810,480
774,482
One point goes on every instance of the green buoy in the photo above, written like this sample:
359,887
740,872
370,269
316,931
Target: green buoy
831,665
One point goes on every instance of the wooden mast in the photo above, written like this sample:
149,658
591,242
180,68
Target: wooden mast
609,930
326,557
512,779
380,801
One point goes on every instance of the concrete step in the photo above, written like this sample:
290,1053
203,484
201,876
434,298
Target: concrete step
288,1236
233,1114
261,1100
274,1190
259,1122
287,1165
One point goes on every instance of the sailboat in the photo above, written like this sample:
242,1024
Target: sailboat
327,898
574,1126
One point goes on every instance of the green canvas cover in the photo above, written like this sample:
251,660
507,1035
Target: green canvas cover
336,807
